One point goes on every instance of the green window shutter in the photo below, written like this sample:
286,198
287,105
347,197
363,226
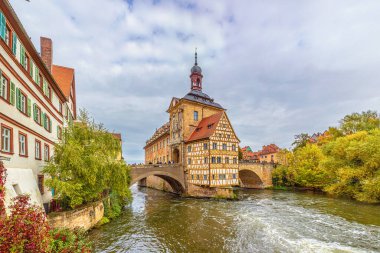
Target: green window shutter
43,119
50,130
37,75
12,97
31,68
29,107
35,116
14,43
18,98
2,26
22,56
44,88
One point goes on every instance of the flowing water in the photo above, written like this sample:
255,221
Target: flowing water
261,221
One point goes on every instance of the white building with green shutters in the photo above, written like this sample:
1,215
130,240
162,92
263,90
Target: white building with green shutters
35,104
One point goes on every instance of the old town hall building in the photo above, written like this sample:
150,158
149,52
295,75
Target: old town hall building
199,136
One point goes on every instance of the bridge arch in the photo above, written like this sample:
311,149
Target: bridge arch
249,179
176,183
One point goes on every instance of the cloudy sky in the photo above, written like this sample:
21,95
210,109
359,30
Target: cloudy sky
279,67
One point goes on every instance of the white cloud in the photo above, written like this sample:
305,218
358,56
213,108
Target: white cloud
279,67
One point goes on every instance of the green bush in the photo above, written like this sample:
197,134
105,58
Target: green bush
70,241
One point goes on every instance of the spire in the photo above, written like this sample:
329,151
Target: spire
196,57
196,75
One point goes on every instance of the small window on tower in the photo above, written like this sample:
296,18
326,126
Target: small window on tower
195,116
198,82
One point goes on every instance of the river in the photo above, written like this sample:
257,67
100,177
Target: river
261,221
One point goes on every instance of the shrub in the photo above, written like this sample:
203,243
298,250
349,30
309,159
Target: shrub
65,240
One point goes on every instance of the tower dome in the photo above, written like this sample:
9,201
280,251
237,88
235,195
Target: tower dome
196,75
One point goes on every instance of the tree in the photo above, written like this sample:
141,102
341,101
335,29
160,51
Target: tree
240,153
356,122
354,161
300,140
84,165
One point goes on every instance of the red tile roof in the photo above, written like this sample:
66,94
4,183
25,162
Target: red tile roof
117,136
206,127
64,77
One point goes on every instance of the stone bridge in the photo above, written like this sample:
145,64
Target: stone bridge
251,175
171,173
255,175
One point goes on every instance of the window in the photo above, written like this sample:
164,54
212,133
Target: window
59,133
41,183
188,160
41,80
210,125
228,136
205,146
22,102
213,177
214,145
17,189
197,177
4,87
48,90
204,177
46,153
234,160
222,176
27,62
47,123
234,176
206,160
224,146
189,148
227,160
37,114
213,160
219,159
8,35
6,139
37,151
195,116
192,177
22,144
233,147
60,107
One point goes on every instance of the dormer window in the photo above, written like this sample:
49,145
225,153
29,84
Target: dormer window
210,125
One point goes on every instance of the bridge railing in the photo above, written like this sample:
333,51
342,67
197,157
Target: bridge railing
149,166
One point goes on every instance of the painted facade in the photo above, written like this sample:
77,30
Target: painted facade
32,109
200,137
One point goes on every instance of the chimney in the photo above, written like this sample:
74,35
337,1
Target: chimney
47,52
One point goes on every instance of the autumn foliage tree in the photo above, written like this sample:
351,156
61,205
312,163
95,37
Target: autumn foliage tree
344,163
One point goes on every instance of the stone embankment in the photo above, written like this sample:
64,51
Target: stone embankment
84,217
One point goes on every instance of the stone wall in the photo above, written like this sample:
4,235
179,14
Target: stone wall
85,217
207,192
156,183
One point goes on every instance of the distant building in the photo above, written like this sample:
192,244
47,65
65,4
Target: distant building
157,148
316,137
268,154
37,100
